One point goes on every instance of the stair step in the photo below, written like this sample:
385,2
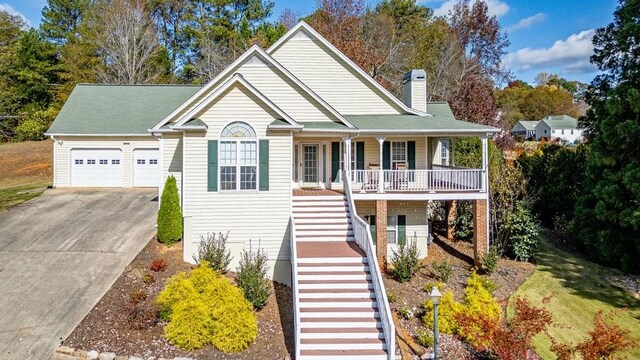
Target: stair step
319,198
328,210
306,203
332,293
331,285
333,261
337,322
343,333
323,344
343,354
324,233
360,277
360,303
362,309
322,228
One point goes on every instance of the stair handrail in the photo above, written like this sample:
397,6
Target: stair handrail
362,234
294,285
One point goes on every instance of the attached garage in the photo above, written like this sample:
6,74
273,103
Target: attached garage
101,138
96,168
145,167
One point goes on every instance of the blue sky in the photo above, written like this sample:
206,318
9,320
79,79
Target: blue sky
551,36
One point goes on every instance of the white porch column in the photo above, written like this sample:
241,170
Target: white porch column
380,170
485,163
347,155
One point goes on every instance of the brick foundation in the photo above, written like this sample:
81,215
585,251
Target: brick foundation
381,233
480,235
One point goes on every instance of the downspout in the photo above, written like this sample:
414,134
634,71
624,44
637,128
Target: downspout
54,161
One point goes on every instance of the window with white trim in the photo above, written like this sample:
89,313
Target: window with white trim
238,157
91,162
392,229
398,153
445,151
153,161
78,162
140,161
115,162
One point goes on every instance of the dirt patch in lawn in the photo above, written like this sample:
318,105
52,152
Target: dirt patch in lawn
23,163
107,327
410,296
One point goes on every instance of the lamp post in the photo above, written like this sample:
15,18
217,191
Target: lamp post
435,296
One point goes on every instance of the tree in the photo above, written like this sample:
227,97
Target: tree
170,214
127,43
61,19
607,213
170,16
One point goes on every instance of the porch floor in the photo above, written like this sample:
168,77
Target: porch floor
316,192
327,249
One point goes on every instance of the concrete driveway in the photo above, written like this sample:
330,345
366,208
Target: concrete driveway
59,254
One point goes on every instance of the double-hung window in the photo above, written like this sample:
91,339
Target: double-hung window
238,157
445,152
398,153
392,229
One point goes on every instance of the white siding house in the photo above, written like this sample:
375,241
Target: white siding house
560,127
525,129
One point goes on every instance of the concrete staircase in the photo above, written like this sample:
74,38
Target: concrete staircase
339,316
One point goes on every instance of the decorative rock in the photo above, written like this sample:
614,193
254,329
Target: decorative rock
82,354
65,350
135,358
122,358
92,355
107,356
182,358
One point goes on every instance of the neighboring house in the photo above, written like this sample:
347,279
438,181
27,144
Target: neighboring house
294,149
561,127
525,129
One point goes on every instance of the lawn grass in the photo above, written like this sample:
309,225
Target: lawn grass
579,289
19,194
25,170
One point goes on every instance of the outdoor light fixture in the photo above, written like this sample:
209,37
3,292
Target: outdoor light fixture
435,296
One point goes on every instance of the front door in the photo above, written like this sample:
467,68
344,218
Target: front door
310,165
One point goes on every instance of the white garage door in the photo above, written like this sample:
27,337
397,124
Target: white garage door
96,167
145,167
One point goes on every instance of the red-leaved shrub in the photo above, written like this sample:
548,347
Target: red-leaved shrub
158,265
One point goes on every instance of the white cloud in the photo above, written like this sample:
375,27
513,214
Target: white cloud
496,7
9,9
527,22
570,55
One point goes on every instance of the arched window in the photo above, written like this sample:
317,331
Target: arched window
238,155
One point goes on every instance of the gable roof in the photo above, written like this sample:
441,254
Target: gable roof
234,80
100,109
439,108
527,124
253,51
560,122
303,26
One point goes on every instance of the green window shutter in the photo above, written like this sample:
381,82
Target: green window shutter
360,155
372,226
386,155
411,154
212,174
402,229
335,160
264,165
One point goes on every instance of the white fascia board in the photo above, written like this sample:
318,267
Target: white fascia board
198,128
419,196
236,78
304,26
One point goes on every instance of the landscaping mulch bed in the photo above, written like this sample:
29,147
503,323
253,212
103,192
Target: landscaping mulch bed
109,326
411,295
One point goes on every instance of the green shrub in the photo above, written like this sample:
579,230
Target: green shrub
425,338
213,249
448,309
405,312
205,308
464,221
30,129
406,261
252,277
428,286
148,279
442,270
170,214
490,259
524,231
392,297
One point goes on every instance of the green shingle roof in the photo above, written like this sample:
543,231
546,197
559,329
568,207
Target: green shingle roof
528,124
440,108
97,109
561,122
413,122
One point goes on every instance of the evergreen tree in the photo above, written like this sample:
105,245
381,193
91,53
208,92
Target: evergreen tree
608,212
61,19
170,214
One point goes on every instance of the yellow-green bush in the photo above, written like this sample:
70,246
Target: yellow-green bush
205,308
479,303
191,325
447,312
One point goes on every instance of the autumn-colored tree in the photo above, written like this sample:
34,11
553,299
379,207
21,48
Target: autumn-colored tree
509,340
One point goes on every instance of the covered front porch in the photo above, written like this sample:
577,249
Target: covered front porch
387,166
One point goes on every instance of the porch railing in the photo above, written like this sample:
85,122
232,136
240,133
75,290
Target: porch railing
362,235
437,179
294,285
